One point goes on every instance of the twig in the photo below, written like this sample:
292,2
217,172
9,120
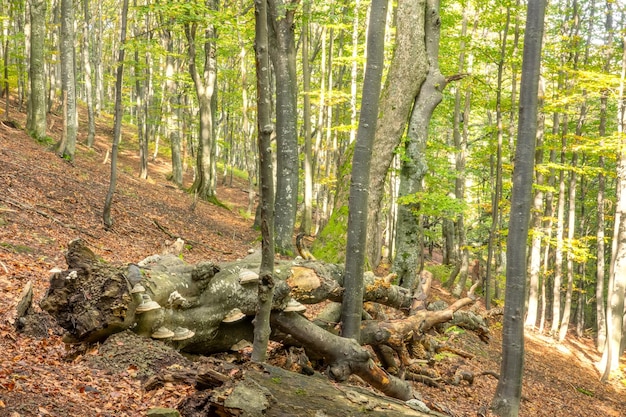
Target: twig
191,242
26,206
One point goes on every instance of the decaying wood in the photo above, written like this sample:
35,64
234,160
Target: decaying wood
207,308
274,391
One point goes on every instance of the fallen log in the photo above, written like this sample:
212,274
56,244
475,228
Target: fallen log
207,308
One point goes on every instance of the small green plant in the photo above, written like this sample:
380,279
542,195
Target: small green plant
17,248
244,213
440,272
585,391
276,380
300,391
454,330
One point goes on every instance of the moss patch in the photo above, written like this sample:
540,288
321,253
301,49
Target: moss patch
330,246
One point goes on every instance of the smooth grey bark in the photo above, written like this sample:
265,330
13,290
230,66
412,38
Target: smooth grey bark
558,251
359,185
548,215
460,144
571,228
140,99
173,104
283,55
536,223
407,72
54,67
97,58
497,192
117,127
264,127
508,393
37,110
307,209
407,263
67,148
617,276
600,265
91,120
204,83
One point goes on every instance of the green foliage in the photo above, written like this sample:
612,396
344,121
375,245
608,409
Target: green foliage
454,330
21,249
433,203
440,272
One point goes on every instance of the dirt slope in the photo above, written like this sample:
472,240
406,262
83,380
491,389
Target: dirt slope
46,201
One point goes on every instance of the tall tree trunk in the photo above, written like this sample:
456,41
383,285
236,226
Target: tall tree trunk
307,213
508,393
571,228
140,98
67,148
117,127
497,192
54,67
204,184
536,222
37,110
98,67
548,215
283,56
600,265
250,146
558,252
173,104
460,136
91,122
408,260
264,125
617,284
407,72
359,186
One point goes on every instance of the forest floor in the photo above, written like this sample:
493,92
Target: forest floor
46,201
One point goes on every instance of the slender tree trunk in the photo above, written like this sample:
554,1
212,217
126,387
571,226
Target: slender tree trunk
508,394
617,282
547,226
571,228
204,184
354,72
91,122
497,193
408,260
283,56
460,136
359,187
37,110
173,104
67,148
98,69
600,265
266,284
307,212
250,146
558,253
117,128
407,72
536,222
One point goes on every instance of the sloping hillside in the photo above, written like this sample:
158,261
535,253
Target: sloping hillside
46,202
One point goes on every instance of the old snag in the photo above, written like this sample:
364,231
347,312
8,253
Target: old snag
207,308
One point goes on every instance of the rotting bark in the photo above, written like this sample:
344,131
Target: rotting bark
206,308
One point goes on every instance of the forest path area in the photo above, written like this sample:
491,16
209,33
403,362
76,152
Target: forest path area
46,201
